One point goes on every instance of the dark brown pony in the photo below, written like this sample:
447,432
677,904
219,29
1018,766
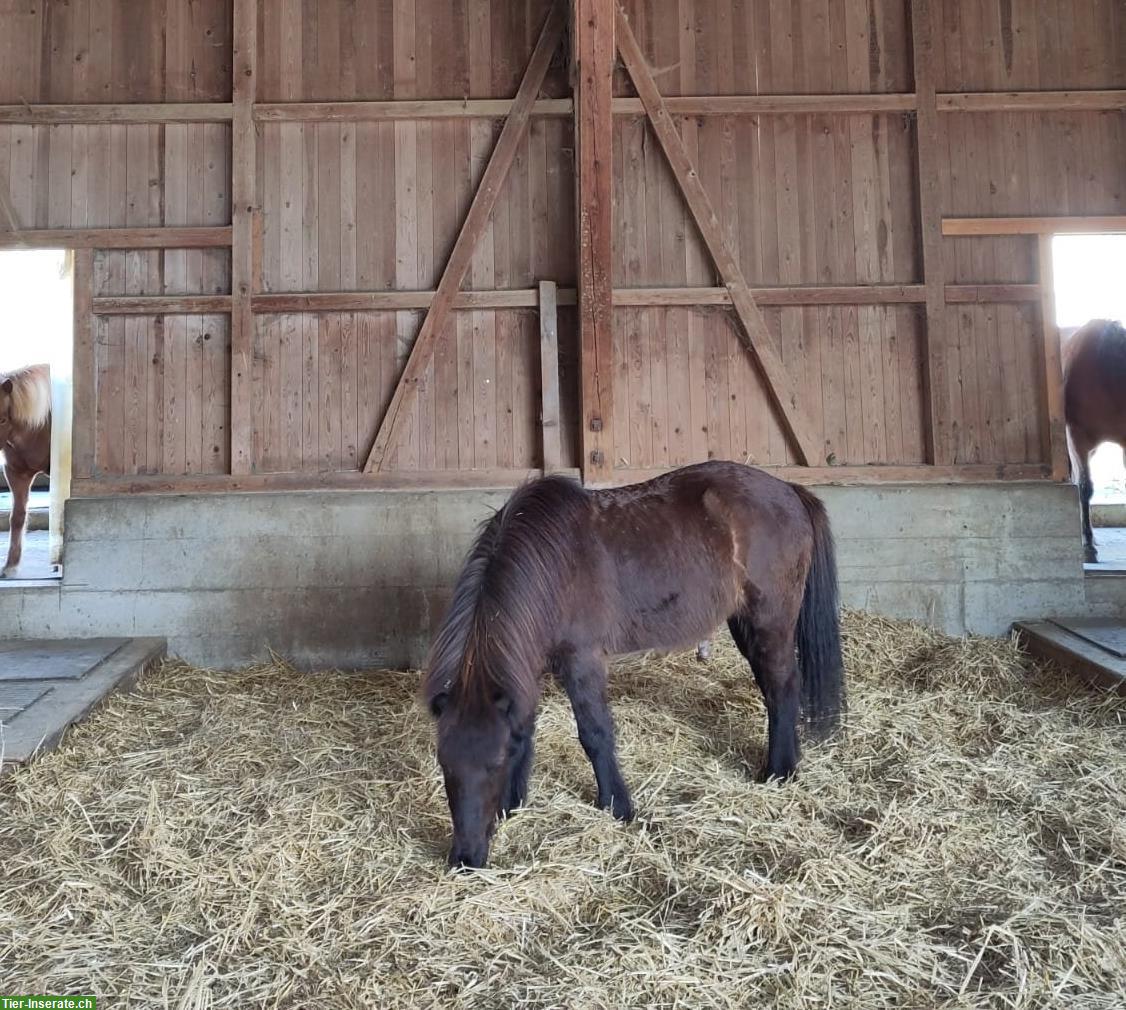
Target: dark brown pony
25,444
1094,399
563,577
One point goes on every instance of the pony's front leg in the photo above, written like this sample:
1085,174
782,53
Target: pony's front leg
20,485
519,770
584,679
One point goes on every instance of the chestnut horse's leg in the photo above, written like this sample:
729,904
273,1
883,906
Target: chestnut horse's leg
20,484
774,664
584,679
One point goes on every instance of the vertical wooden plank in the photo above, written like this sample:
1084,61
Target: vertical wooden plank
935,387
592,39
1054,437
243,199
82,441
549,377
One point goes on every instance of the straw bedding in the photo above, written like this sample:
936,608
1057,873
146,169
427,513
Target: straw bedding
270,838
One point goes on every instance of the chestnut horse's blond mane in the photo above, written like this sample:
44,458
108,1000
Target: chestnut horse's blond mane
31,395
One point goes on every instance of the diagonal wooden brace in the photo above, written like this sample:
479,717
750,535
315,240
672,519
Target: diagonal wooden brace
755,336
476,221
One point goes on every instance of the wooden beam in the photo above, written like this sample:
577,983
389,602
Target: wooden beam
931,155
856,294
244,71
499,479
161,305
549,378
1053,434
757,338
399,301
975,226
876,474
984,294
83,370
117,238
94,113
592,76
475,222
385,112
772,105
1032,101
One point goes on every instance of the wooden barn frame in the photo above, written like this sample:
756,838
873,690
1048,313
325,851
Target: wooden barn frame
945,283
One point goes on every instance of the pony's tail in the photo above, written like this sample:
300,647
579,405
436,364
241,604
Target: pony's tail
820,661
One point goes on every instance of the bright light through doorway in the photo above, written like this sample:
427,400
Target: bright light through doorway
35,307
1091,284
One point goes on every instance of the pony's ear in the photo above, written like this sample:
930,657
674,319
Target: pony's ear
438,704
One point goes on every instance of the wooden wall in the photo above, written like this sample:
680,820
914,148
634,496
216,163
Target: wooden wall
824,203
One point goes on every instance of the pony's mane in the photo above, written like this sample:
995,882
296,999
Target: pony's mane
491,642
31,395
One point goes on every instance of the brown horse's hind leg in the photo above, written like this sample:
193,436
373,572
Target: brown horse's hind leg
20,485
774,664
584,679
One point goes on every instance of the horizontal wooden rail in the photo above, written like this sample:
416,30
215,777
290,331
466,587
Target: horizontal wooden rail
347,480
1031,101
982,226
528,298
117,238
778,105
92,114
962,294
162,305
877,473
376,112
498,108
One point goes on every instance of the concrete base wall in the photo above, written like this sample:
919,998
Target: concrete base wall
358,579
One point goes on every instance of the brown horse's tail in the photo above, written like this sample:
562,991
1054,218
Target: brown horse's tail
820,661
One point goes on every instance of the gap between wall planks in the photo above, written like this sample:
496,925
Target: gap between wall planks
757,339
476,219
243,208
1054,433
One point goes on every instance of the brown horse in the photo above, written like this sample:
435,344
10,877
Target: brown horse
1094,398
25,444
563,577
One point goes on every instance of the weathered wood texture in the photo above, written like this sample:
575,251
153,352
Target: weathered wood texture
801,115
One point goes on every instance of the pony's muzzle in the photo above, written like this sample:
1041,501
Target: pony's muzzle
468,857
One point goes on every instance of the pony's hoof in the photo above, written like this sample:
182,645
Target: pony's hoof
621,809
703,652
7,573
1090,556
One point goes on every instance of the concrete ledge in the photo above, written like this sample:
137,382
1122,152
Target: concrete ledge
361,578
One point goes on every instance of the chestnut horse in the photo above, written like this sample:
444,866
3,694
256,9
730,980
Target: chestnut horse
1094,403
25,444
562,577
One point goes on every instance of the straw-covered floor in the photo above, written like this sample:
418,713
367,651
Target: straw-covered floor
266,838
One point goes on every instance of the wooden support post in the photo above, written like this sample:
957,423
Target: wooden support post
756,337
936,388
475,223
1054,432
592,41
83,370
549,377
243,187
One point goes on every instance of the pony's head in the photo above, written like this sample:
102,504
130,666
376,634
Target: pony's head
481,748
25,400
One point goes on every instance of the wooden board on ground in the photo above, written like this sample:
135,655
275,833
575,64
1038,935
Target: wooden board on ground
1107,633
1090,662
62,659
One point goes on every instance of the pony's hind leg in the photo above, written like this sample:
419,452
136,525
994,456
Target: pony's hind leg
584,679
774,664
20,484
1083,449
